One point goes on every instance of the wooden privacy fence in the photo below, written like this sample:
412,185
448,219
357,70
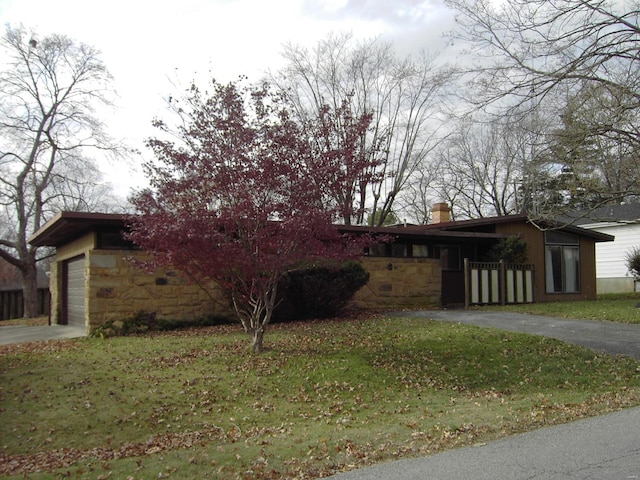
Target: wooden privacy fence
11,303
499,283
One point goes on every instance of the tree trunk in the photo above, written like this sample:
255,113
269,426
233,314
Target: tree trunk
257,345
30,291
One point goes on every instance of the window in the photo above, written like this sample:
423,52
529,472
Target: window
113,240
421,251
449,256
398,250
378,250
562,262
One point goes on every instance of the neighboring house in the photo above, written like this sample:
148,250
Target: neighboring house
623,222
94,280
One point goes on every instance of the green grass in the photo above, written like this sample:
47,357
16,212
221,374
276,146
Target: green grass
327,396
623,308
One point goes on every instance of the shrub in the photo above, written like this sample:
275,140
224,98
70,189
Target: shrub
145,321
319,291
510,250
633,262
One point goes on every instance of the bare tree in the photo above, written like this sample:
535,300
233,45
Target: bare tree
404,97
482,168
80,187
534,52
50,89
419,195
603,165
478,169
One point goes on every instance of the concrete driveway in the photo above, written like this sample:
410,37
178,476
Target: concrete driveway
600,448
21,334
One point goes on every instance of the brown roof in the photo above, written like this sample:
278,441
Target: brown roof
543,224
67,226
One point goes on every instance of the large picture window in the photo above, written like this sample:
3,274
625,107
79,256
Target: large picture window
562,262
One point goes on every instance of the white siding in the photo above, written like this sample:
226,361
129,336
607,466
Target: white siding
610,256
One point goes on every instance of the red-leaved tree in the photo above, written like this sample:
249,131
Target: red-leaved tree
237,198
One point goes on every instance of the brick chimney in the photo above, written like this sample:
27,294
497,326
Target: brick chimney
440,213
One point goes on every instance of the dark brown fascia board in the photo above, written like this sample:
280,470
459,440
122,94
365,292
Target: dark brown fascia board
66,226
585,232
462,224
417,232
475,222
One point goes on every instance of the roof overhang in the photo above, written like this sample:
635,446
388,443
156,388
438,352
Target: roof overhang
542,224
66,226
585,232
417,232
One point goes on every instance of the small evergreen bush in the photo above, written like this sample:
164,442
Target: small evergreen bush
319,291
510,250
633,262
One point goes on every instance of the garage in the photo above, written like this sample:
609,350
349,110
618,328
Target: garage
74,297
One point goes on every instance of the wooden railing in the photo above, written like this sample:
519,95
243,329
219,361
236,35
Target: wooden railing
498,283
12,306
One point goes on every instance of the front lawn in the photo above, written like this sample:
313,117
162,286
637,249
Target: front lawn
328,396
623,308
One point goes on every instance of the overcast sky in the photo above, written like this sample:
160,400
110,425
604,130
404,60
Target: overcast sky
147,43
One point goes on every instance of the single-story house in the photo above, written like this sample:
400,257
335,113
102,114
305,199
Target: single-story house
93,278
562,256
623,222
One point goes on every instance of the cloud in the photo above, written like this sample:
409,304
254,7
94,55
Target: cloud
150,46
411,25
396,13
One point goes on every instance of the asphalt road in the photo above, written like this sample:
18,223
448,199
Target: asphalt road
600,448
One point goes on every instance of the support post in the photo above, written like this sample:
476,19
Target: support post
503,283
466,283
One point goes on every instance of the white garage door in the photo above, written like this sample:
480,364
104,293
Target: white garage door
75,292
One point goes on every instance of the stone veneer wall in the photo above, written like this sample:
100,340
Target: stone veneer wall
118,289
402,282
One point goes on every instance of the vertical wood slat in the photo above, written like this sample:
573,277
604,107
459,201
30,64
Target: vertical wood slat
12,306
489,283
